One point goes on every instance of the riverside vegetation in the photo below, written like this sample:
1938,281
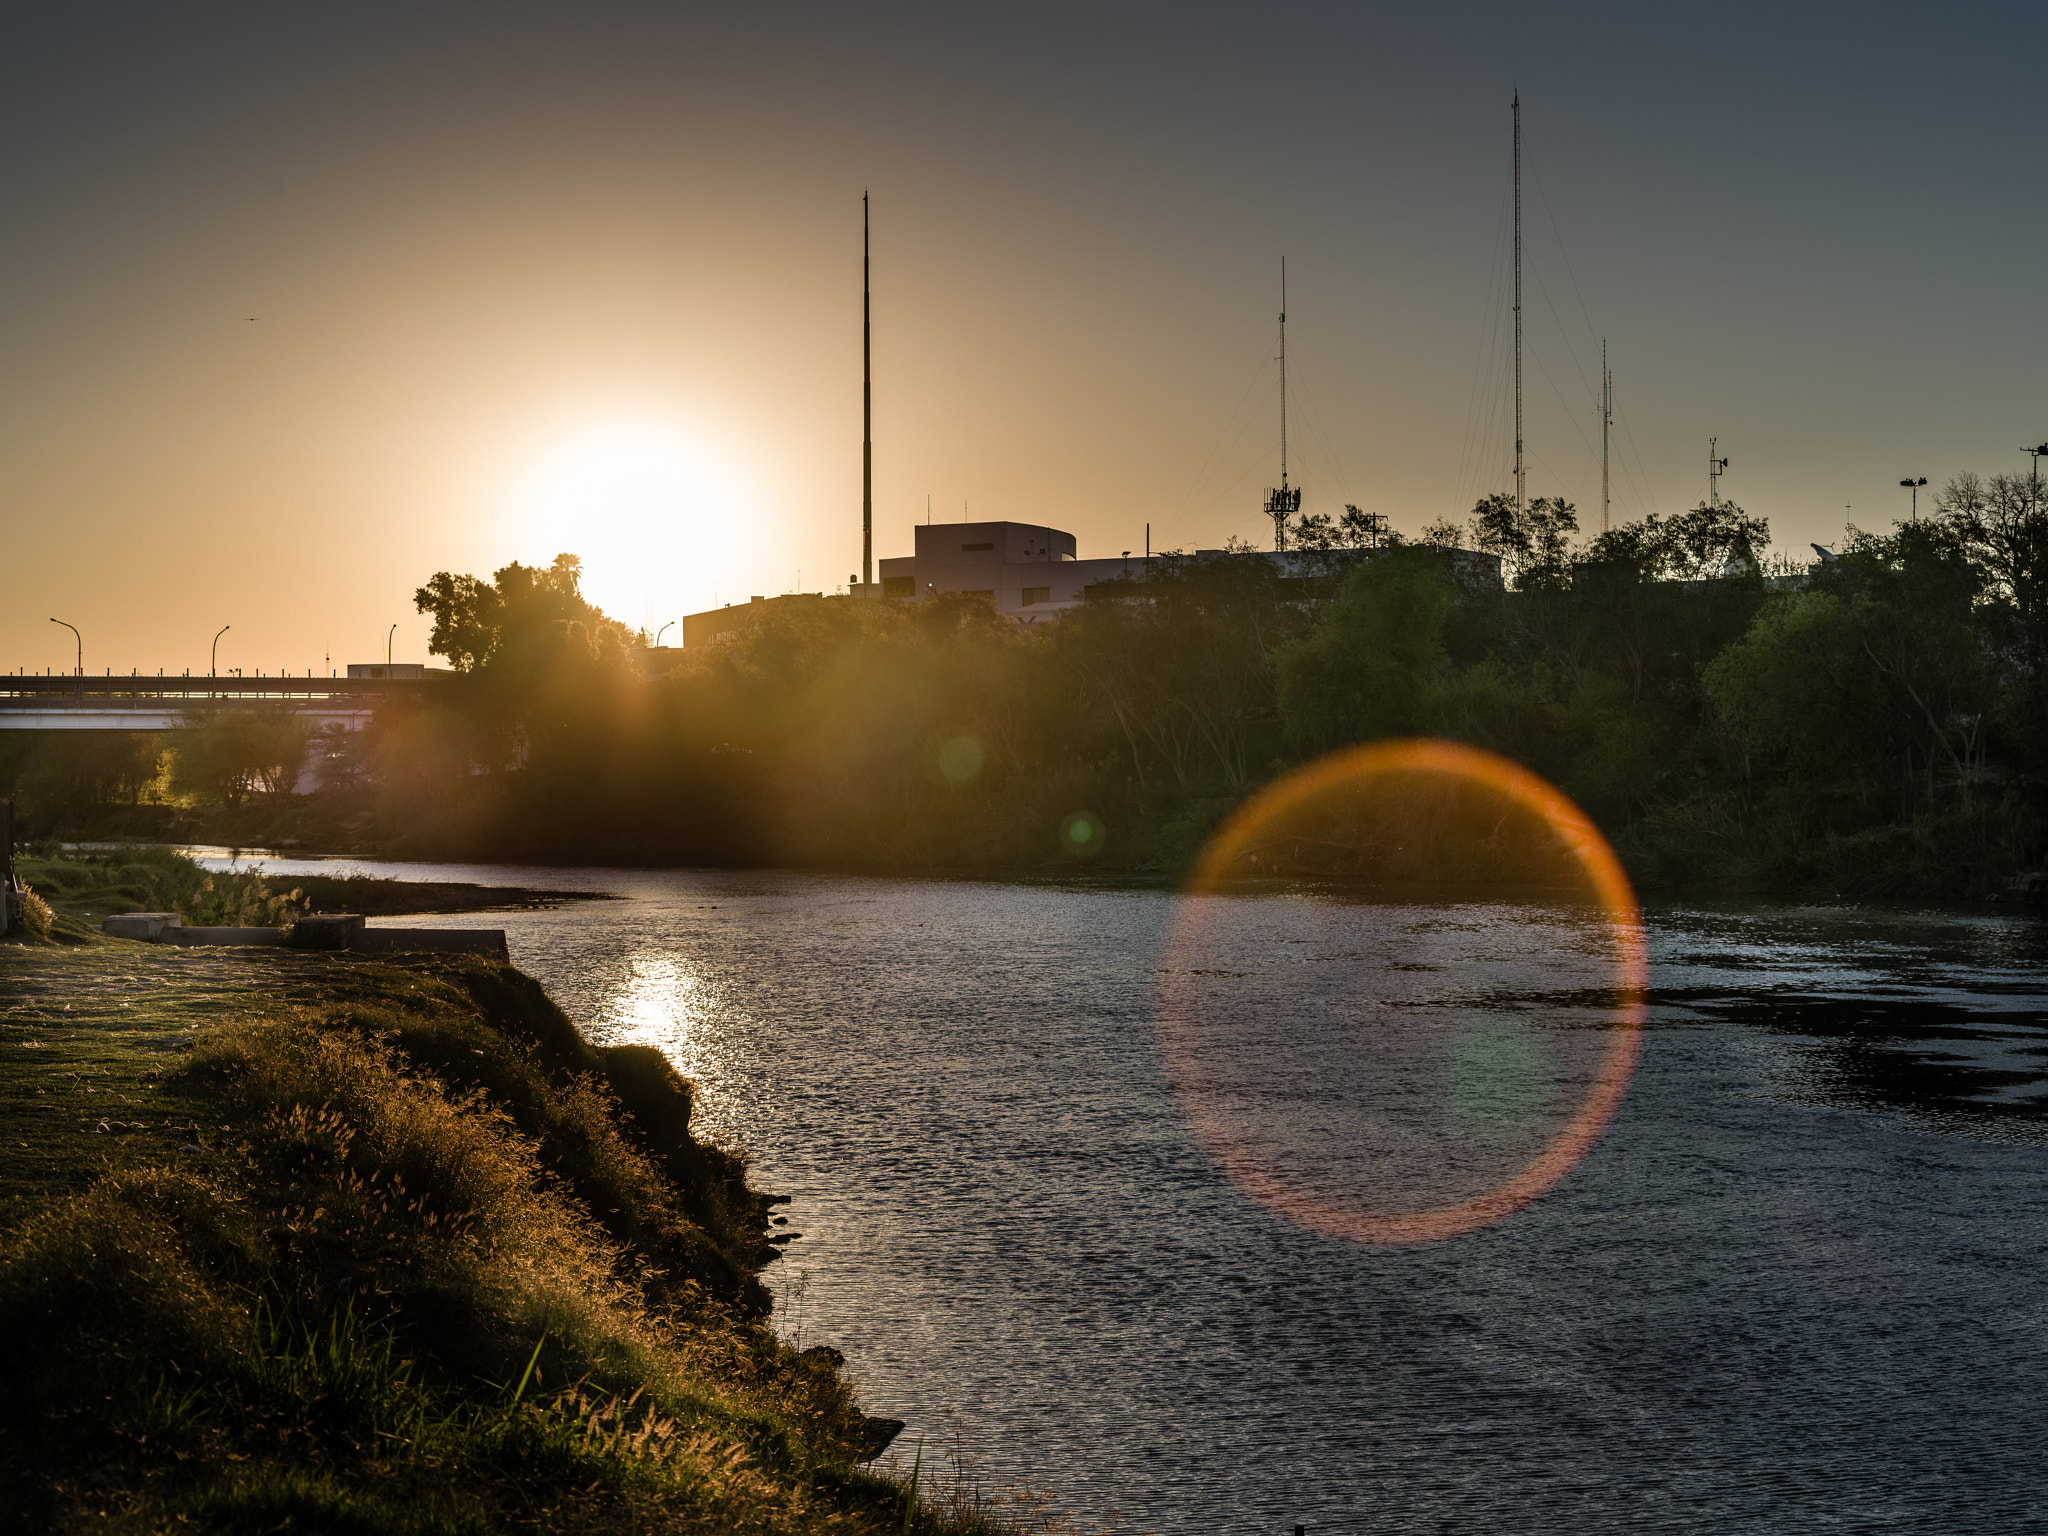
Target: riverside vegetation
300,1241
1876,726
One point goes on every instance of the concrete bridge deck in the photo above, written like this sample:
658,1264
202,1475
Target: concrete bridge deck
138,703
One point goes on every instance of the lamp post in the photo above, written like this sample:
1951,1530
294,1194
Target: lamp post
81,644
662,631
213,663
1914,486
387,649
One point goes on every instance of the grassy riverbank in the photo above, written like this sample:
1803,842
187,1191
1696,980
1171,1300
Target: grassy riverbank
88,884
297,1241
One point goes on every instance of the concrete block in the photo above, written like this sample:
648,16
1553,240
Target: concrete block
224,936
327,930
147,926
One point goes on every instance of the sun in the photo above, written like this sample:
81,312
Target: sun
650,509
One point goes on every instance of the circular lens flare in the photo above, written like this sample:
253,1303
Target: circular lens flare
1081,834
1404,992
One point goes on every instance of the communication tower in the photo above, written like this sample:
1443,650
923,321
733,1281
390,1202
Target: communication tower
1282,504
867,415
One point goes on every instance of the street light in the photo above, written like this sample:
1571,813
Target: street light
81,644
213,664
387,650
1914,486
662,631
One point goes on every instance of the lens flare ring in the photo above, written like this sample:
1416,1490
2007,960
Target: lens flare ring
1247,837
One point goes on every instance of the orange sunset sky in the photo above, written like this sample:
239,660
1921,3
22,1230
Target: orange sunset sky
299,305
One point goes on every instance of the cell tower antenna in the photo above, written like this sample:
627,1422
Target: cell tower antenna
1606,423
867,414
1521,476
1715,469
1282,504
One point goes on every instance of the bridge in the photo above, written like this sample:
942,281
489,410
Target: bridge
138,703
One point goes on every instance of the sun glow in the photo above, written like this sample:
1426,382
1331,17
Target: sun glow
650,509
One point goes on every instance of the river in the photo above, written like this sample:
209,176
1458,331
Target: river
1797,1285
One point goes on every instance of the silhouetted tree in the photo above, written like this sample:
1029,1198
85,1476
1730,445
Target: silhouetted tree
1532,540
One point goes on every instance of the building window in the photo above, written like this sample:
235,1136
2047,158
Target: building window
899,586
1037,595
969,549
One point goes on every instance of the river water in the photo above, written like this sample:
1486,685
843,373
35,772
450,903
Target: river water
1797,1285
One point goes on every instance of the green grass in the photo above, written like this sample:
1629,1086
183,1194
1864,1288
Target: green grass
298,1241
89,885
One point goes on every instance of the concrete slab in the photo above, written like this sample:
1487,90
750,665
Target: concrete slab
147,926
191,936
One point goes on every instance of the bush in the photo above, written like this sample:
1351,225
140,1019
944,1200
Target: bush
240,900
32,912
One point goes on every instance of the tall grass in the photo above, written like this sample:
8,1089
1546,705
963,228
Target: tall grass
441,1267
242,899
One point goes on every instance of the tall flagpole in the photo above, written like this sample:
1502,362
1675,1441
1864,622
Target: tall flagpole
1606,421
867,415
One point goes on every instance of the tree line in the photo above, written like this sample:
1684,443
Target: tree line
1873,724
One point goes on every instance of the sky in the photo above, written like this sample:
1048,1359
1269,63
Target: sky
302,304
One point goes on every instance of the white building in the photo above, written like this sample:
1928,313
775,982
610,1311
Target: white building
1031,572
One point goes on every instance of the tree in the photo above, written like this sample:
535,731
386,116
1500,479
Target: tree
1354,529
520,616
63,776
228,754
1708,541
1532,540
1874,681
1369,669
2000,526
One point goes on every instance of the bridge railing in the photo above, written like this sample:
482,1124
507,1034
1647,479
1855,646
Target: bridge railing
23,691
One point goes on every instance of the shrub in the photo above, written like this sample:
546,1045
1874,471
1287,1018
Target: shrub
35,913
240,900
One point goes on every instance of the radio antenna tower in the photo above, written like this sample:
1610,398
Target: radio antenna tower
867,415
1282,504
1715,469
1521,477
1606,423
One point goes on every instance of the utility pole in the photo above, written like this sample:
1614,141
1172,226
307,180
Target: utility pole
1606,422
1914,486
2034,495
1715,468
1521,478
867,414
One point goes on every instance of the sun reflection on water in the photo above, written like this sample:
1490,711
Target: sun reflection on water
662,1000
